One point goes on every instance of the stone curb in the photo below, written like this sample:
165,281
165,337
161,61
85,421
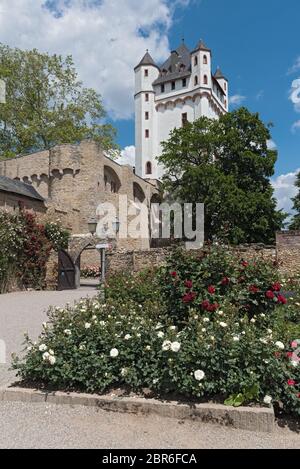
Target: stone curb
244,418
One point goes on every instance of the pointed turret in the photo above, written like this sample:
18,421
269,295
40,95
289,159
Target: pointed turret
147,61
219,74
201,46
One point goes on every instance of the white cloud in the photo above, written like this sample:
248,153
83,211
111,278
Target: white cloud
127,156
236,99
294,95
285,189
106,38
295,67
271,145
296,126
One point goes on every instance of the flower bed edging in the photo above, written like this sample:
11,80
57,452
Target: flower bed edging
244,418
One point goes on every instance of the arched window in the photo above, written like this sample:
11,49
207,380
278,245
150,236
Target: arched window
196,80
148,167
196,61
225,86
205,80
205,59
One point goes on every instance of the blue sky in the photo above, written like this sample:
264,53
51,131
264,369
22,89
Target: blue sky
257,45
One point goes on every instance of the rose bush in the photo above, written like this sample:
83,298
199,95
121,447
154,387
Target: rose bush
227,353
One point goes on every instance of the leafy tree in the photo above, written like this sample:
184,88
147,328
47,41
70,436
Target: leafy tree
46,104
225,164
295,225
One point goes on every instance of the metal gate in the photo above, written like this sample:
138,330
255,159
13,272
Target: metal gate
66,272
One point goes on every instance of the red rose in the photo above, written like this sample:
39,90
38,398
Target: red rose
253,289
173,274
277,354
276,286
241,280
211,289
213,308
270,295
245,263
188,284
289,354
225,281
291,382
205,304
189,297
281,299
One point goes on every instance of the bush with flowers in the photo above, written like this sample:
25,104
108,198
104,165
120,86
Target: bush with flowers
90,271
25,248
132,341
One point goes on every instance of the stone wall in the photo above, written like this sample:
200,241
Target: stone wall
52,271
288,251
133,261
75,179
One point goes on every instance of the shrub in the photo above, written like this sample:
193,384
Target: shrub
216,275
90,271
57,235
143,338
11,235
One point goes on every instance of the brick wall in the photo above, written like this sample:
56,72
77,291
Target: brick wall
288,251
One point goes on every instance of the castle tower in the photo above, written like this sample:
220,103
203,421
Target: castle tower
146,72
181,90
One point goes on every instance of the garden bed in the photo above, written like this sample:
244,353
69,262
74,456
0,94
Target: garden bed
215,328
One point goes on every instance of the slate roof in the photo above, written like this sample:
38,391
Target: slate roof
219,74
202,46
178,65
20,188
146,60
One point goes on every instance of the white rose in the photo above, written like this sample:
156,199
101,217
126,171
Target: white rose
223,324
87,325
206,320
52,360
102,323
199,375
253,321
82,347
67,332
46,356
42,347
173,328
262,315
51,352
279,345
148,347
175,347
166,345
220,313
160,334
124,372
236,338
268,400
127,337
155,381
203,329
114,353
263,341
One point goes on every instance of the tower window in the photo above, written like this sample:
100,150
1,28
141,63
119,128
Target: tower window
196,80
225,86
184,119
147,97
148,167
184,82
173,85
147,116
147,133
196,61
205,80
162,88
146,73
205,59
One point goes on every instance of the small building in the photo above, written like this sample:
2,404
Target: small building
15,195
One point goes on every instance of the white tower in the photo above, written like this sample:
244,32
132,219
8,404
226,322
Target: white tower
146,72
182,90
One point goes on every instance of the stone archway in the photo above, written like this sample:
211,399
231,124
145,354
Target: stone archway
78,244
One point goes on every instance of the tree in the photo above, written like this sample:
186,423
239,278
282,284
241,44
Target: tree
46,104
295,224
225,164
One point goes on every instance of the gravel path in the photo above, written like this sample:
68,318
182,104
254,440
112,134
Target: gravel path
25,312
49,426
